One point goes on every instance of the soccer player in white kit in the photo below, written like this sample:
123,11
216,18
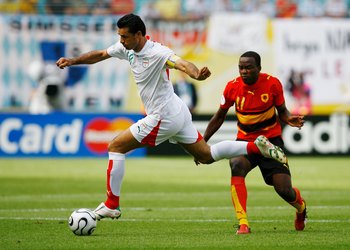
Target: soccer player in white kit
168,118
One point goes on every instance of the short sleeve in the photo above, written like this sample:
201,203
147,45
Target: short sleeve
167,56
170,63
228,98
117,50
279,96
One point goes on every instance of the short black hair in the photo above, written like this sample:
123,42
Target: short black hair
255,55
133,22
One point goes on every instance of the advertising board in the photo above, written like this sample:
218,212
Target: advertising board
62,134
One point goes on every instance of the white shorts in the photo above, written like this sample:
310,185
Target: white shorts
177,129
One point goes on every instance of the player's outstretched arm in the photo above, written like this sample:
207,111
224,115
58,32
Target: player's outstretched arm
215,123
192,70
86,58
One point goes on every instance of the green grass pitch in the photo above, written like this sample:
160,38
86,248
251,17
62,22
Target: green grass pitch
169,203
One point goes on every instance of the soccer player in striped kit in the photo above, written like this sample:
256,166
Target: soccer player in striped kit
168,117
256,97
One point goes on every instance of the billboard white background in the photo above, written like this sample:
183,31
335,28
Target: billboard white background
321,49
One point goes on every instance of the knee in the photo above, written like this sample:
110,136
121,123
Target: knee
114,146
201,153
238,167
286,192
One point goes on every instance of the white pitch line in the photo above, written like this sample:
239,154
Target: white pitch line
173,220
137,194
39,210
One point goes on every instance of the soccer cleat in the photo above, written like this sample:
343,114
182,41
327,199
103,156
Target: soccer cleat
300,219
102,211
243,229
269,150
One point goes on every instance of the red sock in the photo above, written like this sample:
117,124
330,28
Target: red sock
239,198
112,201
252,148
298,202
241,190
298,198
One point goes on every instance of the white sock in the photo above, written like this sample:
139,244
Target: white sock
228,149
117,172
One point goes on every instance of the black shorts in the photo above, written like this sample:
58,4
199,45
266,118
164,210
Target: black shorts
269,167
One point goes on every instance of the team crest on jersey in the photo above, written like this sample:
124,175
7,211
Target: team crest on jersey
145,62
264,97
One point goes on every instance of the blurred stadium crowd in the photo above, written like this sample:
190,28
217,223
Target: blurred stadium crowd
175,9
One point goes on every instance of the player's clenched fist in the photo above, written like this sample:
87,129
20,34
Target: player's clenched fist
63,62
204,73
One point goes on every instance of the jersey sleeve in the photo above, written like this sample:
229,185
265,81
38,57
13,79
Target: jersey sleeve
163,55
117,50
227,98
279,96
170,63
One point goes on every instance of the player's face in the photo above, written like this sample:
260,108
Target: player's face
248,70
129,40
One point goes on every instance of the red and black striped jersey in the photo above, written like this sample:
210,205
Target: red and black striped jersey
255,106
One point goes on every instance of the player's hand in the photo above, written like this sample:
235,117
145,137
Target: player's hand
64,62
296,121
203,74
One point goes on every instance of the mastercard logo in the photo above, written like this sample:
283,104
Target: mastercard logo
100,131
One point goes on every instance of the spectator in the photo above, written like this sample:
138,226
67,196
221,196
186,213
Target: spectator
149,10
336,8
304,96
311,8
28,6
169,9
196,8
48,96
57,7
122,7
79,7
286,8
248,6
9,6
100,7
222,6
300,92
266,7
292,81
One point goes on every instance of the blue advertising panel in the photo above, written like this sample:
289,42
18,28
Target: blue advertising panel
62,134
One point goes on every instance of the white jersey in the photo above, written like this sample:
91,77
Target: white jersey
152,77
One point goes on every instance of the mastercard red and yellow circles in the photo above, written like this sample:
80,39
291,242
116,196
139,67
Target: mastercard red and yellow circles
100,131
